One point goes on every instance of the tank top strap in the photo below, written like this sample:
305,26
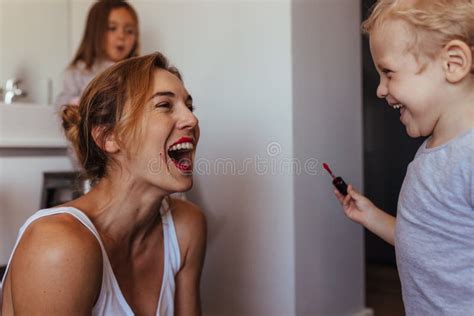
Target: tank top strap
170,237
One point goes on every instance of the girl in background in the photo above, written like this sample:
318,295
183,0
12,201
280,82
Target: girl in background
111,35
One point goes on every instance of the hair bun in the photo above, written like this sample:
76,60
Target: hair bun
71,119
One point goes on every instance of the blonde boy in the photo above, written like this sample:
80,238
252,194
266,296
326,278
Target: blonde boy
423,51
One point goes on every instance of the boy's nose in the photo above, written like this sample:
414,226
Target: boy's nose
382,90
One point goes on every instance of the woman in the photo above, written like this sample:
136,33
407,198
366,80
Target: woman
125,247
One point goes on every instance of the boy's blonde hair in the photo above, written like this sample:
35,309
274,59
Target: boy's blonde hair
434,22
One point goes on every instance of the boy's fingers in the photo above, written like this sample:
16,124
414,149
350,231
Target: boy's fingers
352,192
346,200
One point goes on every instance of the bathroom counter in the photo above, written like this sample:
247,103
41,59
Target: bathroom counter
27,125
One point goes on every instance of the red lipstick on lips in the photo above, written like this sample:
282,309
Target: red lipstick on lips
340,185
183,140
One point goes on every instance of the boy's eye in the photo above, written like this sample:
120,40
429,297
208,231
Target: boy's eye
191,107
387,72
112,28
130,31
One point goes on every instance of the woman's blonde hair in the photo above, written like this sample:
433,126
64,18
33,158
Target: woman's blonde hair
112,104
434,22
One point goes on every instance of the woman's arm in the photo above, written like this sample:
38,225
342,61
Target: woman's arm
56,269
361,210
191,230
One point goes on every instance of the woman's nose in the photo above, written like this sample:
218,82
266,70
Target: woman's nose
187,119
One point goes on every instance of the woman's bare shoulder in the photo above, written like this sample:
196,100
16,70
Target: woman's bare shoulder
57,264
191,227
60,230
187,214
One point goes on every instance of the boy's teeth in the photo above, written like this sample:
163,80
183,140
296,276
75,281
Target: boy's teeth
182,146
397,106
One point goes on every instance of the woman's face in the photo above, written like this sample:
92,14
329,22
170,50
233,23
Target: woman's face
121,34
165,154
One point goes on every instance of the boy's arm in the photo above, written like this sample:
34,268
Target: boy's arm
361,210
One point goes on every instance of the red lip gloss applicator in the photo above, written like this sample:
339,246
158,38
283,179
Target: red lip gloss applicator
340,185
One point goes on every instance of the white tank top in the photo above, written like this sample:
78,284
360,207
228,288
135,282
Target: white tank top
111,300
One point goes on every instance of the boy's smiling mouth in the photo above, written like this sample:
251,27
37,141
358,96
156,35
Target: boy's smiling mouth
396,106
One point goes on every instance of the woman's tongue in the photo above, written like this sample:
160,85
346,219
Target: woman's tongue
182,164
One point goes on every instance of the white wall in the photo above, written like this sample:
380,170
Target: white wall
236,60
327,97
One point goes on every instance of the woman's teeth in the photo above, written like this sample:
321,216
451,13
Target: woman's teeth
181,146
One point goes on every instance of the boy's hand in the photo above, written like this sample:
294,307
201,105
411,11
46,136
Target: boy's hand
356,206
361,210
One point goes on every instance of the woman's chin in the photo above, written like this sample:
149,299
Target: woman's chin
184,186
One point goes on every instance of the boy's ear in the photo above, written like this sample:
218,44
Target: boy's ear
457,60
108,144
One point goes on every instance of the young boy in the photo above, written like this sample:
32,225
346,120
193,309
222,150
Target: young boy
423,52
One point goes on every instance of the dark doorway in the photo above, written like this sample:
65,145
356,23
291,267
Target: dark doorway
387,152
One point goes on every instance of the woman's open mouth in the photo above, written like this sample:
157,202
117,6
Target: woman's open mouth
181,154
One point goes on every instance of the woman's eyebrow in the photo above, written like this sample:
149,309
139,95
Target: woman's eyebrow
169,94
163,93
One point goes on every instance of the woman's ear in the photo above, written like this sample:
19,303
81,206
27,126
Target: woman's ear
107,144
457,56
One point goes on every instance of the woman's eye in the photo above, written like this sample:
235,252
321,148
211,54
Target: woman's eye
191,107
163,105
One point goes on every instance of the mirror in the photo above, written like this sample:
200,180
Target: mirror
34,48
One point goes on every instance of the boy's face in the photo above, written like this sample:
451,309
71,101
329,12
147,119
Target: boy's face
403,83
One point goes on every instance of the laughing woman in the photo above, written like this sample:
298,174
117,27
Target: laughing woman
125,247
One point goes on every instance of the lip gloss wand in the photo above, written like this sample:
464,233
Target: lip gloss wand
338,182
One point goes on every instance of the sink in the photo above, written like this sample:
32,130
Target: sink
28,125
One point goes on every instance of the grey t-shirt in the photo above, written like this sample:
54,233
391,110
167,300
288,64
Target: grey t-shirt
434,234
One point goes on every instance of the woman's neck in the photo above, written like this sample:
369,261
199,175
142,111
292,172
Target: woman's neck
124,213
